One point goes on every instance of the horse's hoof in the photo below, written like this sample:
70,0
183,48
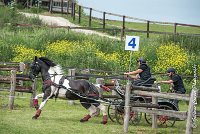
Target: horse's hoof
83,120
34,117
104,122
86,118
105,119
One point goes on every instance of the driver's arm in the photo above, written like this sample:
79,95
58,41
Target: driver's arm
167,82
134,72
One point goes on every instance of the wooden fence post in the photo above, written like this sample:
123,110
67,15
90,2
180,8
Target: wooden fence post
67,7
62,6
154,116
190,112
74,11
148,29
90,17
127,107
100,81
123,28
12,89
79,14
104,21
50,5
175,24
21,67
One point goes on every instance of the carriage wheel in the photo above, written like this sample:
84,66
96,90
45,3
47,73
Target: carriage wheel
119,114
112,110
165,120
148,118
135,117
161,119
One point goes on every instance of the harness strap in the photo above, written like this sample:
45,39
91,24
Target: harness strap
61,81
49,83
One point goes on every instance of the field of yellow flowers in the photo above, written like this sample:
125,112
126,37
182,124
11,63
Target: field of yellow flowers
87,54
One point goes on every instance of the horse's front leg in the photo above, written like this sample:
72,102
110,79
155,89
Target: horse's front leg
45,98
35,100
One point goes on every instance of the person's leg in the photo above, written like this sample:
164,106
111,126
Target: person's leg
137,82
177,101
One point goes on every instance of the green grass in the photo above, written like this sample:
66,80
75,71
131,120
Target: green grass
60,117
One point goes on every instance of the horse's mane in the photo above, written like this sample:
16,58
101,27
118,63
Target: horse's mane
47,61
56,69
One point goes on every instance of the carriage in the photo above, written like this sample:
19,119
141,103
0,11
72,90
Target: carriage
116,108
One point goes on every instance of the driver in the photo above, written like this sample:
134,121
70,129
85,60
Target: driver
141,74
176,81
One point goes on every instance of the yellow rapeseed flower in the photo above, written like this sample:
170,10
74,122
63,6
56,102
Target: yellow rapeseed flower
170,55
24,54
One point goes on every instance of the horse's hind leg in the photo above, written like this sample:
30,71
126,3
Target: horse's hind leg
103,109
86,104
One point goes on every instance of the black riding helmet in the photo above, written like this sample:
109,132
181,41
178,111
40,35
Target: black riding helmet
171,70
141,60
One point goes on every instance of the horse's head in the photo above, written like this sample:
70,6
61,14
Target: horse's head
42,65
35,68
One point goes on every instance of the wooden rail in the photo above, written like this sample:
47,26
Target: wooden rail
16,81
178,114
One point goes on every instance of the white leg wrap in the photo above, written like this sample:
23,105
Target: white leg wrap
92,110
103,109
39,96
42,104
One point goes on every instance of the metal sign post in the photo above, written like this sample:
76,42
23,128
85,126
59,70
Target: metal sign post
131,44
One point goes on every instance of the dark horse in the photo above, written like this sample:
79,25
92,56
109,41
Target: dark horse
55,84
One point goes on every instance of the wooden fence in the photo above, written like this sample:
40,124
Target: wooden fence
76,11
155,95
14,82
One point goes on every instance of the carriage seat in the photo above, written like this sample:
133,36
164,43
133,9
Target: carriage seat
147,83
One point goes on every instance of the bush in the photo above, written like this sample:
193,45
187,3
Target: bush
171,55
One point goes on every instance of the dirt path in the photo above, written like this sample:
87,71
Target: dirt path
60,21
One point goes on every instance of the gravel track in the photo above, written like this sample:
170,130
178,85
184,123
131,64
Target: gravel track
60,21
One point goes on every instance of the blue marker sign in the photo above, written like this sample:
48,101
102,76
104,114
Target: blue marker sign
132,43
